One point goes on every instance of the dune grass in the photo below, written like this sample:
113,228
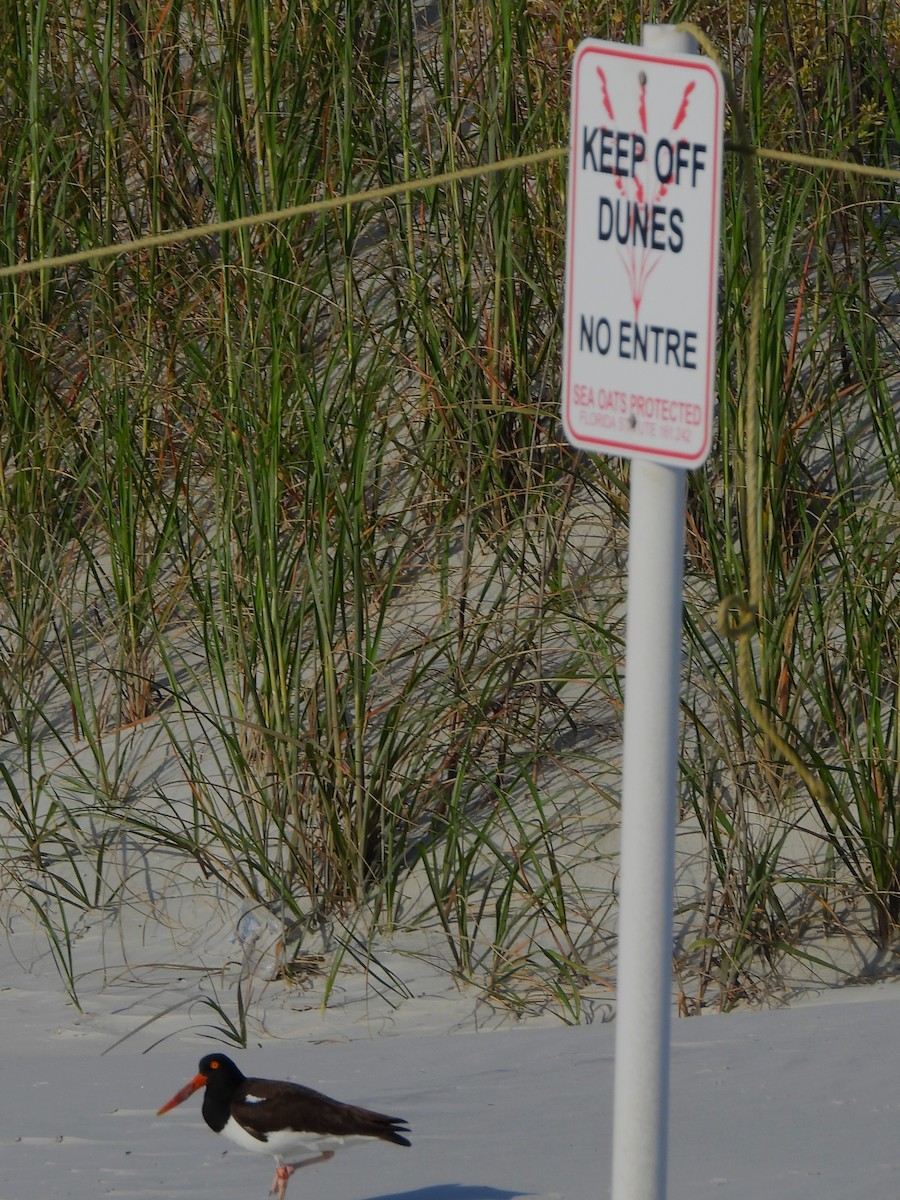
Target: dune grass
295,498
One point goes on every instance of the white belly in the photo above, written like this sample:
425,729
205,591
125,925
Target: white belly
287,1144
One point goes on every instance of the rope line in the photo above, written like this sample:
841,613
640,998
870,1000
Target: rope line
811,160
173,237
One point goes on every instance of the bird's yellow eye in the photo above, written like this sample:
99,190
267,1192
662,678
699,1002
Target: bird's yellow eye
214,1065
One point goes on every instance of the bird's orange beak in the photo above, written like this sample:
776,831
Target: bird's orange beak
196,1083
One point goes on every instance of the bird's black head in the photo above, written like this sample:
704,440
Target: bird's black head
217,1074
219,1071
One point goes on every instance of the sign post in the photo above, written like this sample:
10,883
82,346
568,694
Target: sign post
642,267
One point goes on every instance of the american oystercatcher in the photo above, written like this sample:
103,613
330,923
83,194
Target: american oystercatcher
282,1119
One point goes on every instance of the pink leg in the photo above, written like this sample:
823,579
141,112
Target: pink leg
284,1171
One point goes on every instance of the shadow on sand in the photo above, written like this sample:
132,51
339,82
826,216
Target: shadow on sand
452,1191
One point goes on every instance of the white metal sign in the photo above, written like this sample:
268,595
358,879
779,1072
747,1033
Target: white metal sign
642,253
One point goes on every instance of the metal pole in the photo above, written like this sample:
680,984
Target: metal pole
649,779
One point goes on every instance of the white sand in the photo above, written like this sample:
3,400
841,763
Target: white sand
792,1103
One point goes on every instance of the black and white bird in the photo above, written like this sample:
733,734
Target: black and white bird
282,1119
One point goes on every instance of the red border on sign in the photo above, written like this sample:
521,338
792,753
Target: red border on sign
632,449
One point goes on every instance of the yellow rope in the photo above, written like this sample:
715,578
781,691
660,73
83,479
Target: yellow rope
817,164
738,616
172,236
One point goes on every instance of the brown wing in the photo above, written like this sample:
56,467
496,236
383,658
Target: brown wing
264,1106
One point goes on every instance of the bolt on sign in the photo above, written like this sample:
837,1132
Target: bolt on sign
642,253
